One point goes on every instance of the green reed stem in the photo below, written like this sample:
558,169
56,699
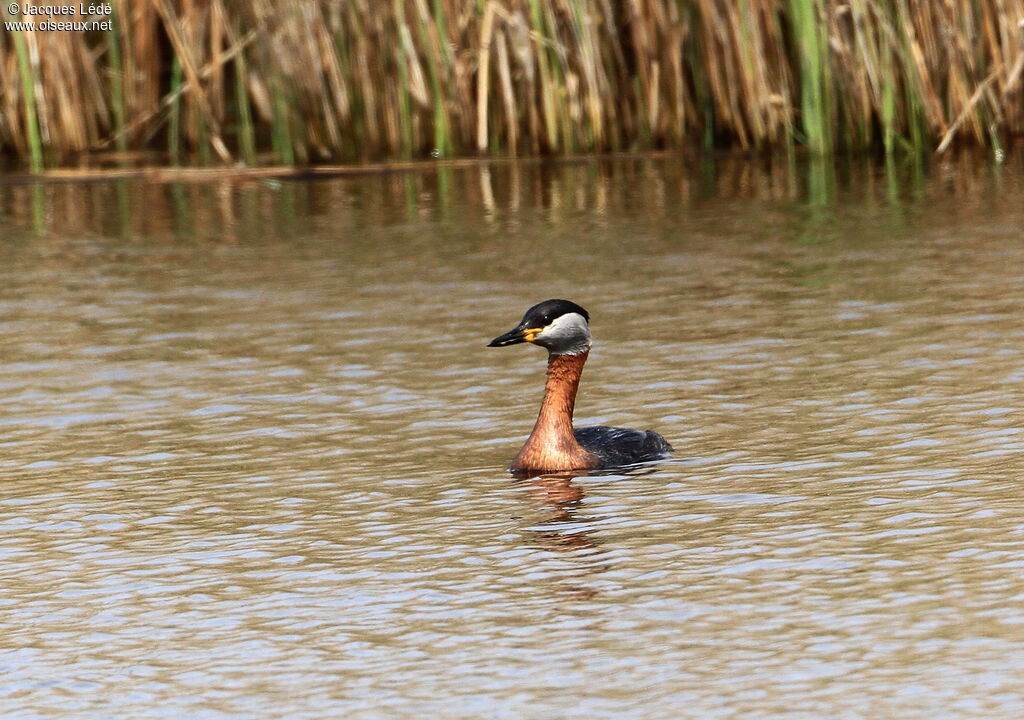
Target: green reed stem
117,85
246,133
546,82
203,142
403,51
174,119
35,143
435,64
812,46
404,109
281,136
888,114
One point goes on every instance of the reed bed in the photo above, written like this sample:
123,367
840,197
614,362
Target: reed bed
299,82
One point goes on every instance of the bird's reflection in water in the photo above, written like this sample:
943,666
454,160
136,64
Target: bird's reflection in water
562,528
560,499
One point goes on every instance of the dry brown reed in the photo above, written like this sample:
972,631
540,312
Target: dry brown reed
309,81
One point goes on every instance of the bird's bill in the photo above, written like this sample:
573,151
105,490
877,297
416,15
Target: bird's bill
516,335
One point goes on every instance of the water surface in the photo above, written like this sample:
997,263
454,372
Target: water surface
253,446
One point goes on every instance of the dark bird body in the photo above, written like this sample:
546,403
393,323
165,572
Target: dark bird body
622,446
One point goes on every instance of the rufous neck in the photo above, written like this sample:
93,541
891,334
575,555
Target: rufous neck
552,445
563,381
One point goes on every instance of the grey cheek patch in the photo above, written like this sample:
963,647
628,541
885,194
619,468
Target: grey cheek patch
569,334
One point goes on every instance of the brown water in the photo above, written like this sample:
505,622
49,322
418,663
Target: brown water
253,445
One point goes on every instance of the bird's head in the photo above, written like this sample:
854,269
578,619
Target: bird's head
560,326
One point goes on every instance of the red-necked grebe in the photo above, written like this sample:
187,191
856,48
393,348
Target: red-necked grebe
562,327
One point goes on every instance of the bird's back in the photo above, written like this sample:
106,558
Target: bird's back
622,446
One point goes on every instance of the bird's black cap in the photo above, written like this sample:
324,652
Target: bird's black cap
536,319
543,313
